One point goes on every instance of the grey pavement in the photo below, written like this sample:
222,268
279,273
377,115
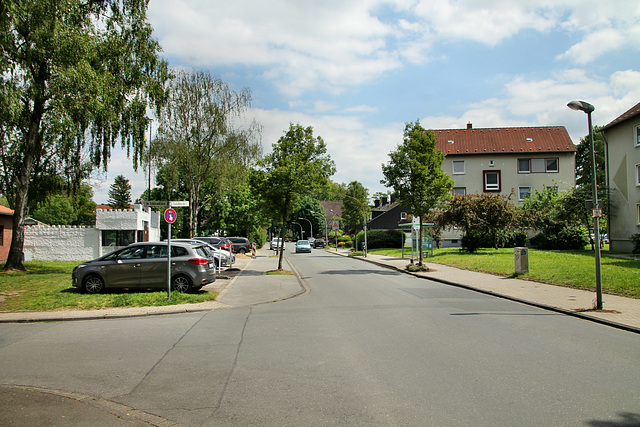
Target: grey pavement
617,311
248,284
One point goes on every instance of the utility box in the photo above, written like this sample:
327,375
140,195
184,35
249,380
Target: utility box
522,260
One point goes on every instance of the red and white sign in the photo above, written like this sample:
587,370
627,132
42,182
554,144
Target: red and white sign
335,225
170,215
596,213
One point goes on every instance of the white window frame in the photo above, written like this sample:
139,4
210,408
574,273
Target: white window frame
638,175
520,193
453,167
459,191
491,187
403,215
542,162
636,135
637,213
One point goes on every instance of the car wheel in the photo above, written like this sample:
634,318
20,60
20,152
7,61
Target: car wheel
181,284
243,251
93,284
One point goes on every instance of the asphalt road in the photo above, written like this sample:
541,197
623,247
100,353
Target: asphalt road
366,346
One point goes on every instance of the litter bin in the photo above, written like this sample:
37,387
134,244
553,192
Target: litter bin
521,260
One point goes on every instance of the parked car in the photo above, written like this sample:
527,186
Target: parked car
240,244
303,246
220,243
144,265
219,256
275,243
319,243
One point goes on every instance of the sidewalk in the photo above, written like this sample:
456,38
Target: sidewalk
617,311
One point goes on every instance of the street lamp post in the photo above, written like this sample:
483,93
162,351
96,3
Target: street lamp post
588,109
301,231
364,219
311,235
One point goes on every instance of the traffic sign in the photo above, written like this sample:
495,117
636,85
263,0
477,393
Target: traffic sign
170,215
164,203
335,225
179,204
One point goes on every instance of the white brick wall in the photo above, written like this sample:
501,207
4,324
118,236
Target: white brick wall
70,243
61,243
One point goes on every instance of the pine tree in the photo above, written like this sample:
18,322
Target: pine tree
120,193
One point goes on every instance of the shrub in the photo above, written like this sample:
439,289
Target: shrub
345,241
382,239
566,238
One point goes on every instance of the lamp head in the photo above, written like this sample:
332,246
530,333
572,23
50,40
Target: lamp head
581,106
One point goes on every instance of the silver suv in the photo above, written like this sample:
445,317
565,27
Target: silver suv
144,265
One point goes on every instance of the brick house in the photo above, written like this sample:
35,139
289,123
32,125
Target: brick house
6,227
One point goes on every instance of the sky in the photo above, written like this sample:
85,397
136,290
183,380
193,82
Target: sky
358,70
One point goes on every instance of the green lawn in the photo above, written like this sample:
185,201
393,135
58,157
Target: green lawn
576,269
46,285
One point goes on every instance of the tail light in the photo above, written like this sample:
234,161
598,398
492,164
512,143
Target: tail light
198,261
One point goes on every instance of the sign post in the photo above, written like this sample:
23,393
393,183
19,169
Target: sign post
335,226
170,216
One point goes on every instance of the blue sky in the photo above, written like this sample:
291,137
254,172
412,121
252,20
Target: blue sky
357,71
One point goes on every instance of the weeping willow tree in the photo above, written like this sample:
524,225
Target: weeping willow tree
76,77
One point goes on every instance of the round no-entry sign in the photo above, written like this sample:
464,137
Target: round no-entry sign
170,215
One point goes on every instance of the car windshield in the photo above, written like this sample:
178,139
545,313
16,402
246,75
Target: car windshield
303,242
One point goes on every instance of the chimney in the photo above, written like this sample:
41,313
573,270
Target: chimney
384,201
469,125
376,203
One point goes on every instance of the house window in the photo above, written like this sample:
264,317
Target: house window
459,191
524,165
117,237
1,235
524,193
491,180
638,214
458,167
403,215
636,139
638,174
549,165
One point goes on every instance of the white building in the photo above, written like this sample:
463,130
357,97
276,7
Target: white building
114,229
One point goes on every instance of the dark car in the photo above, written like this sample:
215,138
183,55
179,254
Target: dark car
319,243
218,242
240,244
144,265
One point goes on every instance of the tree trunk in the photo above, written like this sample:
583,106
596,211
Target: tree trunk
15,257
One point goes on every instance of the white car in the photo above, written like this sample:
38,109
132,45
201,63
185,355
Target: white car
275,243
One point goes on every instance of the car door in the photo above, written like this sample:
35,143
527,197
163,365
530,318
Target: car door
153,267
124,271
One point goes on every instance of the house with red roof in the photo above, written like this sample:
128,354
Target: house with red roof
508,161
511,161
622,138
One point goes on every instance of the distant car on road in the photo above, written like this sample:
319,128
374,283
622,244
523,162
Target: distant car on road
303,246
275,243
144,265
319,243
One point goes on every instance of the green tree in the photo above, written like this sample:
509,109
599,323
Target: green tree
415,173
352,210
297,165
120,193
75,75
312,210
199,141
482,218
583,160
56,210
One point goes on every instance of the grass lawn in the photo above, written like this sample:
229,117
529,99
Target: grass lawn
576,269
46,285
